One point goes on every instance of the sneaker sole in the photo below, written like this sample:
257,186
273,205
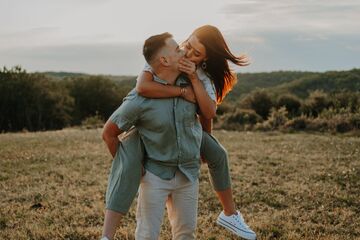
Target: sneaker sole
232,229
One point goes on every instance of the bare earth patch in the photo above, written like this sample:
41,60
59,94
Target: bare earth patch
288,186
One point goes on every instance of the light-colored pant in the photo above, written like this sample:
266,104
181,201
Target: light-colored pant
125,174
181,198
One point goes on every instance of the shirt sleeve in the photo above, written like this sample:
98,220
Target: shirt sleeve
128,113
208,84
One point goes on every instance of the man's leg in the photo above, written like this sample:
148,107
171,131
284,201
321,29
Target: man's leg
182,207
151,204
124,180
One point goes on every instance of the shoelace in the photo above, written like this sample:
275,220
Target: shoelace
239,218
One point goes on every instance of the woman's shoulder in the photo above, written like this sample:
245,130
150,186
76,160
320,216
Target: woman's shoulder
202,75
207,82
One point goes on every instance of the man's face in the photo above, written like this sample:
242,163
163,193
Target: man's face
173,53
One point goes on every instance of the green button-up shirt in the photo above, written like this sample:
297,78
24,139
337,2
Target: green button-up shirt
169,129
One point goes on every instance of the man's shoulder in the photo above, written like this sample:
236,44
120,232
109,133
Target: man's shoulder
182,79
134,96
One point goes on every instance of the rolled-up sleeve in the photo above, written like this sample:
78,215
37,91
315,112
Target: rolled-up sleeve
128,113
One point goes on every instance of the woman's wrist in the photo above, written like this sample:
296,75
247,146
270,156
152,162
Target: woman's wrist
182,92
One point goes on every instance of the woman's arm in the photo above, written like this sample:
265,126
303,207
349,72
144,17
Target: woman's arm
206,124
206,104
147,87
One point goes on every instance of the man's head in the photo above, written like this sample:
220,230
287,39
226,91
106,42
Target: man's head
161,51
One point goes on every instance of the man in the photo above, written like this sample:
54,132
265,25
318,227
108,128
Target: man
171,135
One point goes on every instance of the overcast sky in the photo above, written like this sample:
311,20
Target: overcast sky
106,36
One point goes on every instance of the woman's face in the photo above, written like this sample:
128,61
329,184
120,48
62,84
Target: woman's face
194,50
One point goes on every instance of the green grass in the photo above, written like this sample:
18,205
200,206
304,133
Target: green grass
288,186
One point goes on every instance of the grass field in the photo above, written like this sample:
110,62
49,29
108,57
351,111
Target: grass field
288,186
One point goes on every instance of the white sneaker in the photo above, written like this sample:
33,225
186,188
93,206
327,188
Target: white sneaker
104,238
236,224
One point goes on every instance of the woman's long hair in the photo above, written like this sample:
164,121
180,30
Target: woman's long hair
218,54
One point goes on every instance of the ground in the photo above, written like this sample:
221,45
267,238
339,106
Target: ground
288,186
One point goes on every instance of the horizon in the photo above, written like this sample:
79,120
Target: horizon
243,72
105,37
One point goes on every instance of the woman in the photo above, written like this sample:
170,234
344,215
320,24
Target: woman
206,64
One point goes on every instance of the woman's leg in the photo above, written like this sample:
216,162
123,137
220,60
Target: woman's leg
217,159
124,180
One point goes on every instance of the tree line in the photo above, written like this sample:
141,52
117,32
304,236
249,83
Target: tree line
260,101
36,102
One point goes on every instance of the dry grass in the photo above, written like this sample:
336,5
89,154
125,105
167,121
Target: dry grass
288,186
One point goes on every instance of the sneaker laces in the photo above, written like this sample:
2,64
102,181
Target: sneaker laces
239,218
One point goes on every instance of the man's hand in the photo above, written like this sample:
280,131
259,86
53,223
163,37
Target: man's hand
189,94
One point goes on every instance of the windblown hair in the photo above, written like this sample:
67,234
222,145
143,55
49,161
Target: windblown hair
218,54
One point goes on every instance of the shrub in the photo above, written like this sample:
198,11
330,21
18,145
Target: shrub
318,124
225,107
298,123
316,103
92,122
264,126
243,116
259,101
349,100
240,119
355,120
278,117
291,103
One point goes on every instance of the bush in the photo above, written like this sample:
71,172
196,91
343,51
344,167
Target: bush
259,101
355,120
278,118
224,107
241,119
243,116
298,123
316,103
318,124
92,122
348,100
291,103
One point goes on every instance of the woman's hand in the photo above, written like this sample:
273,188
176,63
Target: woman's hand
188,67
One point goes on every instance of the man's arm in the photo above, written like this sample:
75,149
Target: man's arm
121,120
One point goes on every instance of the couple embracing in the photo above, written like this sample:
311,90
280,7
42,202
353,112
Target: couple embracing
165,128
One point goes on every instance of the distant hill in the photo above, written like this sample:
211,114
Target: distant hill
298,83
328,82
248,82
62,75
279,82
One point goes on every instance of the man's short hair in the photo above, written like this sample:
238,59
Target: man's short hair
153,44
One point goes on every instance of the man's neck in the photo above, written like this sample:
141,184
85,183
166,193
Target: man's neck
166,75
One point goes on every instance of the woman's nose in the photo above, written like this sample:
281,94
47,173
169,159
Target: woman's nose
187,53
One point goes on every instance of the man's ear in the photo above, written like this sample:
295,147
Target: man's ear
164,61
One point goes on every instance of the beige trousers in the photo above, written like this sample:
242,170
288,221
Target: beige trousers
181,199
